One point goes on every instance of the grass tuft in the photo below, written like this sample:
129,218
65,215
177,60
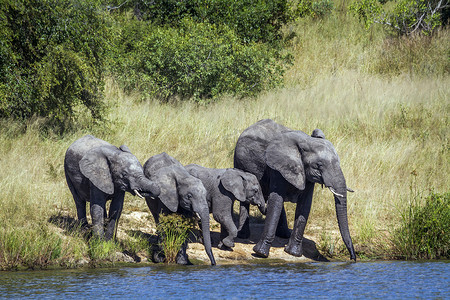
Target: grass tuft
424,231
174,231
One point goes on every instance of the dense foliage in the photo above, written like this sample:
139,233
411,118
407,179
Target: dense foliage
425,230
199,49
195,60
250,20
53,54
406,17
52,57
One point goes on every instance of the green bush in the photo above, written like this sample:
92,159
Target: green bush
174,230
315,9
51,58
406,17
425,229
251,20
194,60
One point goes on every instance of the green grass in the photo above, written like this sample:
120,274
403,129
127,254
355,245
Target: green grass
174,230
384,104
424,231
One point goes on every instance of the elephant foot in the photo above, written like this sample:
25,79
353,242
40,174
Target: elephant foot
221,246
228,242
182,259
294,249
262,249
158,255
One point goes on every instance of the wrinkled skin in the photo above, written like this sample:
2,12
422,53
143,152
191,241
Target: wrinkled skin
180,193
223,186
287,164
96,172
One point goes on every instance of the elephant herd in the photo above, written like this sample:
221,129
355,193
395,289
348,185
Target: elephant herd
272,164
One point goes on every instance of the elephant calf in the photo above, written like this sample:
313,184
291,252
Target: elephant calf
97,171
180,193
223,186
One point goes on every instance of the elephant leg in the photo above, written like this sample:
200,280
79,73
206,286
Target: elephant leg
294,246
182,257
80,203
228,232
157,252
282,227
274,208
97,208
115,210
81,213
244,221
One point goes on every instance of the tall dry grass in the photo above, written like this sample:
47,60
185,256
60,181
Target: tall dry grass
391,131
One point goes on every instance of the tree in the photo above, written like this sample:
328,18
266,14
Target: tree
407,17
52,56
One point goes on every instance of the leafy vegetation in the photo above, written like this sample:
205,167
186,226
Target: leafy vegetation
424,232
52,59
196,61
174,230
406,17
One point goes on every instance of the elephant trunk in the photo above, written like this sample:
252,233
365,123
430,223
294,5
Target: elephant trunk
341,213
204,218
338,187
146,188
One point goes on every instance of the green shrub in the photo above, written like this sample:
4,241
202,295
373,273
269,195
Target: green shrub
174,230
425,229
251,20
407,16
315,9
51,58
195,60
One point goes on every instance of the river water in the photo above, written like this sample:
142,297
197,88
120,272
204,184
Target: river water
362,280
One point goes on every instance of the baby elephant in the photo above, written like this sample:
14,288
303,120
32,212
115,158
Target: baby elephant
223,186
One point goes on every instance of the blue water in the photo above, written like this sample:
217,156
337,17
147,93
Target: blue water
375,280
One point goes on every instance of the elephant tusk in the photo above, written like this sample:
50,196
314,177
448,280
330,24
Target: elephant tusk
197,215
334,192
350,190
139,195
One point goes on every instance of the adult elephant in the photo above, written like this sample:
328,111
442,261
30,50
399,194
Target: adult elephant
223,186
96,172
180,193
287,164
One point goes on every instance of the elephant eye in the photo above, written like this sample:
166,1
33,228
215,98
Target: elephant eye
189,196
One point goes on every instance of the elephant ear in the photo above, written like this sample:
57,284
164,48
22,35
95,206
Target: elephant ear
233,183
94,166
285,157
168,187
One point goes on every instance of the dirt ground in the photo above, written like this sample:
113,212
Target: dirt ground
241,253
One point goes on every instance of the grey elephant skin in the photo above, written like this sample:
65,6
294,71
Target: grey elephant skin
96,172
223,186
180,193
287,164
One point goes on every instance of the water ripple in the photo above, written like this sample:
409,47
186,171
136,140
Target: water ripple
375,280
